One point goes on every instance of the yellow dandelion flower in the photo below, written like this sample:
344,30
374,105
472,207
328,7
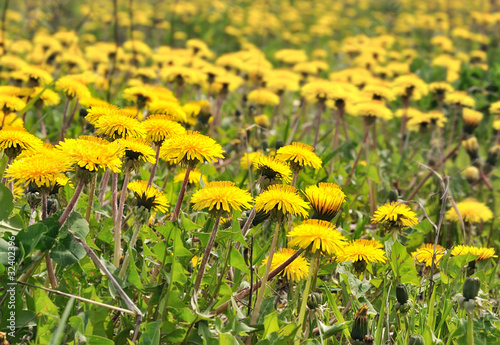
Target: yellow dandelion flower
117,125
150,197
47,96
139,95
191,148
248,158
460,98
194,177
299,155
425,253
495,108
221,196
318,235
14,140
92,153
472,212
395,215
262,121
481,252
362,252
9,104
440,88
72,87
42,169
272,168
372,110
263,97
410,112
11,120
326,199
283,200
174,110
295,271
161,127
97,111
472,117
138,150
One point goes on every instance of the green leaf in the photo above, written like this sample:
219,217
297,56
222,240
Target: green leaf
372,173
133,276
12,225
97,340
403,266
236,260
151,333
227,339
330,331
188,224
58,337
67,251
271,324
6,202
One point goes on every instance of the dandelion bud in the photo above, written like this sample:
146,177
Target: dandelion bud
360,325
471,288
359,266
401,293
416,340
491,161
393,195
471,146
314,300
471,119
471,174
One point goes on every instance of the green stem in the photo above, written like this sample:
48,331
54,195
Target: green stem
260,296
470,329
118,220
305,294
133,240
91,199
206,256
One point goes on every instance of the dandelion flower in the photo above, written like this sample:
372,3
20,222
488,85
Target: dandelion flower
150,197
472,212
299,155
372,110
161,127
481,252
118,125
137,150
9,104
263,97
221,196
97,111
283,200
41,169
362,252
14,140
247,160
191,148
326,199
295,271
318,235
194,177
72,87
425,253
92,153
395,215
272,169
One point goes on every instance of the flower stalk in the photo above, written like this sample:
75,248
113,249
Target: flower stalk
206,256
305,294
118,220
182,192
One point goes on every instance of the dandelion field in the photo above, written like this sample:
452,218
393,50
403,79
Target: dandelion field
249,172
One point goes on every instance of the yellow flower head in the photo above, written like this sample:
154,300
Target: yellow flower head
372,110
299,155
43,169
194,177
263,97
425,253
472,212
272,168
14,140
395,215
440,88
471,117
150,197
91,153
283,200
138,150
362,251
295,271
318,235
221,196
262,121
495,108
97,111
191,148
248,158
139,94
119,125
9,104
481,252
460,98
171,109
47,98
410,85
161,127
72,87
326,199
